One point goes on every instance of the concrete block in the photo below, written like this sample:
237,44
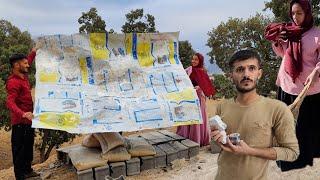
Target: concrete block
117,169
193,147
118,178
214,147
172,135
101,172
160,159
183,151
147,162
155,137
133,166
171,152
85,174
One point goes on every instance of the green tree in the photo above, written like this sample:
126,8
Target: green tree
51,139
238,34
12,40
224,86
185,53
4,113
280,9
139,23
91,22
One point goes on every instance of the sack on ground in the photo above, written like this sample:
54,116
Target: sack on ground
109,140
90,141
84,158
117,154
138,146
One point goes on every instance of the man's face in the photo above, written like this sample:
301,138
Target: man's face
245,75
22,66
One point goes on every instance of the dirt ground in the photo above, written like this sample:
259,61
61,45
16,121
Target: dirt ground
203,167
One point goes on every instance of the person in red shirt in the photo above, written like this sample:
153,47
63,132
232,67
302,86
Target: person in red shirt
20,105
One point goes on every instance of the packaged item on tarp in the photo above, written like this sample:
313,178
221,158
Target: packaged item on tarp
117,154
85,158
138,146
90,141
109,140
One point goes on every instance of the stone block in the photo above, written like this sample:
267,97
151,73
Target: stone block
214,147
171,152
193,147
183,151
147,162
101,172
117,169
133,166
172,135
160,159
85,174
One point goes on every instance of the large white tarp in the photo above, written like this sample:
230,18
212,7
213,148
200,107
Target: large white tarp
100,82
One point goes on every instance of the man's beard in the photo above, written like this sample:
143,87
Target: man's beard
244,90
24,71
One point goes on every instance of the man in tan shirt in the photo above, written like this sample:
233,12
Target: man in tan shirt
258,120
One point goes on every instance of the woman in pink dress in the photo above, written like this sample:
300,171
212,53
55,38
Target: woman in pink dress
199,133
298,44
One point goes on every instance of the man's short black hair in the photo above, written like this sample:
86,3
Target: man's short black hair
16,57
244,55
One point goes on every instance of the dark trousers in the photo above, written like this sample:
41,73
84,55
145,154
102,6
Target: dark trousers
307,130
22,140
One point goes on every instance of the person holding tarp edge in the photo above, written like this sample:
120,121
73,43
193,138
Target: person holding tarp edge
20,105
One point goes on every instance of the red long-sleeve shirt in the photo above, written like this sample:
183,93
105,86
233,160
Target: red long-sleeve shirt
19,99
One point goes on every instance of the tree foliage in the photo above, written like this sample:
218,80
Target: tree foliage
185,53
4,113
224,86
12,40
51,139
91,22
237,34
280,9
137,22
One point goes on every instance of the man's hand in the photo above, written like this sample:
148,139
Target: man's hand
242,148
28,115
217,135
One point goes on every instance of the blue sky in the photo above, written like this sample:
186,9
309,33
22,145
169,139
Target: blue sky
193,18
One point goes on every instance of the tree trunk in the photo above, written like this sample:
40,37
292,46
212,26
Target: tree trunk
43,146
